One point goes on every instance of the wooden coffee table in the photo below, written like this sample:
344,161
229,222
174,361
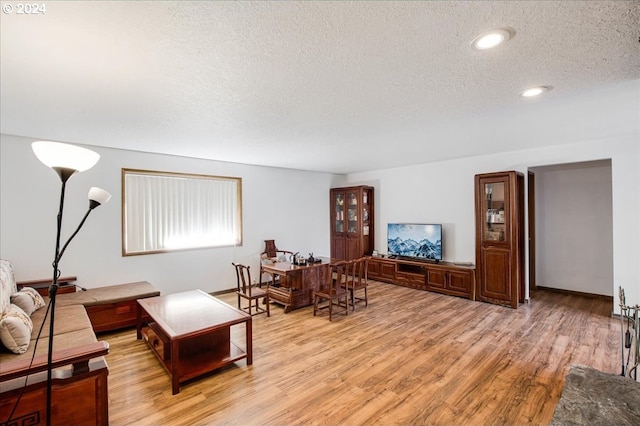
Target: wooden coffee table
190,333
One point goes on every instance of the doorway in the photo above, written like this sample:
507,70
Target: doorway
531,225
572,227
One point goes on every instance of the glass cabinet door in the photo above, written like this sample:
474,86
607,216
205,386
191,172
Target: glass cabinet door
365,213
352,212
338,211
494,204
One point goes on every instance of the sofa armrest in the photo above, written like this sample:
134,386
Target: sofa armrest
79,388
78,357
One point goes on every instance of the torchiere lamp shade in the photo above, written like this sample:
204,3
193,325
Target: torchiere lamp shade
63,158
98,196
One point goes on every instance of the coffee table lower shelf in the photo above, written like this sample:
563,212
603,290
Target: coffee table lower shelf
197,355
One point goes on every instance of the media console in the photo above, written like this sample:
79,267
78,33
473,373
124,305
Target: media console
441,277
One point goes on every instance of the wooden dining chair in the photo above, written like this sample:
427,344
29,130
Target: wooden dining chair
250,292
356,281
331,295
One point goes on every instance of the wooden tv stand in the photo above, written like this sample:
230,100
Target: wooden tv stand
442,277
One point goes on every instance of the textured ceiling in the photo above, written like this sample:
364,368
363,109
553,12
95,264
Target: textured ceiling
325,86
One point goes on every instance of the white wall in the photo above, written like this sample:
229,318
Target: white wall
444,192
289,206
574,239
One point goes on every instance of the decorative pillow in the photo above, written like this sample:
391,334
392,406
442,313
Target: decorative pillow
15,329
28,299
7,285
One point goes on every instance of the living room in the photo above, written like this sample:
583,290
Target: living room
287,203
34,202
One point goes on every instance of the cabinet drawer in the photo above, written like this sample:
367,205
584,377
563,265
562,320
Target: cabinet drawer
410,280
373,269
460,282
381,270
436,278
452,281
388,270
157,342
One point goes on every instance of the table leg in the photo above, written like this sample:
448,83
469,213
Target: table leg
138,321
249,333
175,370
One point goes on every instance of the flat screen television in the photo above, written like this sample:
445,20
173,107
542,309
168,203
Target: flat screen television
415,240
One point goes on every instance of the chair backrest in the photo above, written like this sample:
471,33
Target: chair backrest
270,248
338,276
273,252
357,271
284,255
243,275
278,255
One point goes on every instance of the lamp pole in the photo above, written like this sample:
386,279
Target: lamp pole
53,291
65,160
97,197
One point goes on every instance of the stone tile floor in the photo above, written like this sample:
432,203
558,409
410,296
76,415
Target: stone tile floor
591,397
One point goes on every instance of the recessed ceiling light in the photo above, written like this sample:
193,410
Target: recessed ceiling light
492,38
534,91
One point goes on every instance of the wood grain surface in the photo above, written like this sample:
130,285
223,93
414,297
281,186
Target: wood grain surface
410,357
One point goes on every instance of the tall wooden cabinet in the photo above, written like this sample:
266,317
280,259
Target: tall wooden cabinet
352,222
499,200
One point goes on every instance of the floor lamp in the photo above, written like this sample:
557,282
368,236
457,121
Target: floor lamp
66,160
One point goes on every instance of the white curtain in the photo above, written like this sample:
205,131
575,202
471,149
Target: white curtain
174,212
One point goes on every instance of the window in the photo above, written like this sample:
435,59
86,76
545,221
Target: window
163,211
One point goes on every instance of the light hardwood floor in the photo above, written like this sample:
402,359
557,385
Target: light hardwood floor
410,357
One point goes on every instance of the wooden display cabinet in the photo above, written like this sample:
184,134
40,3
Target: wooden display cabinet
352,222
500,237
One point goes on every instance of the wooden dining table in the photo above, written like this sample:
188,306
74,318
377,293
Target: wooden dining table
296,284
